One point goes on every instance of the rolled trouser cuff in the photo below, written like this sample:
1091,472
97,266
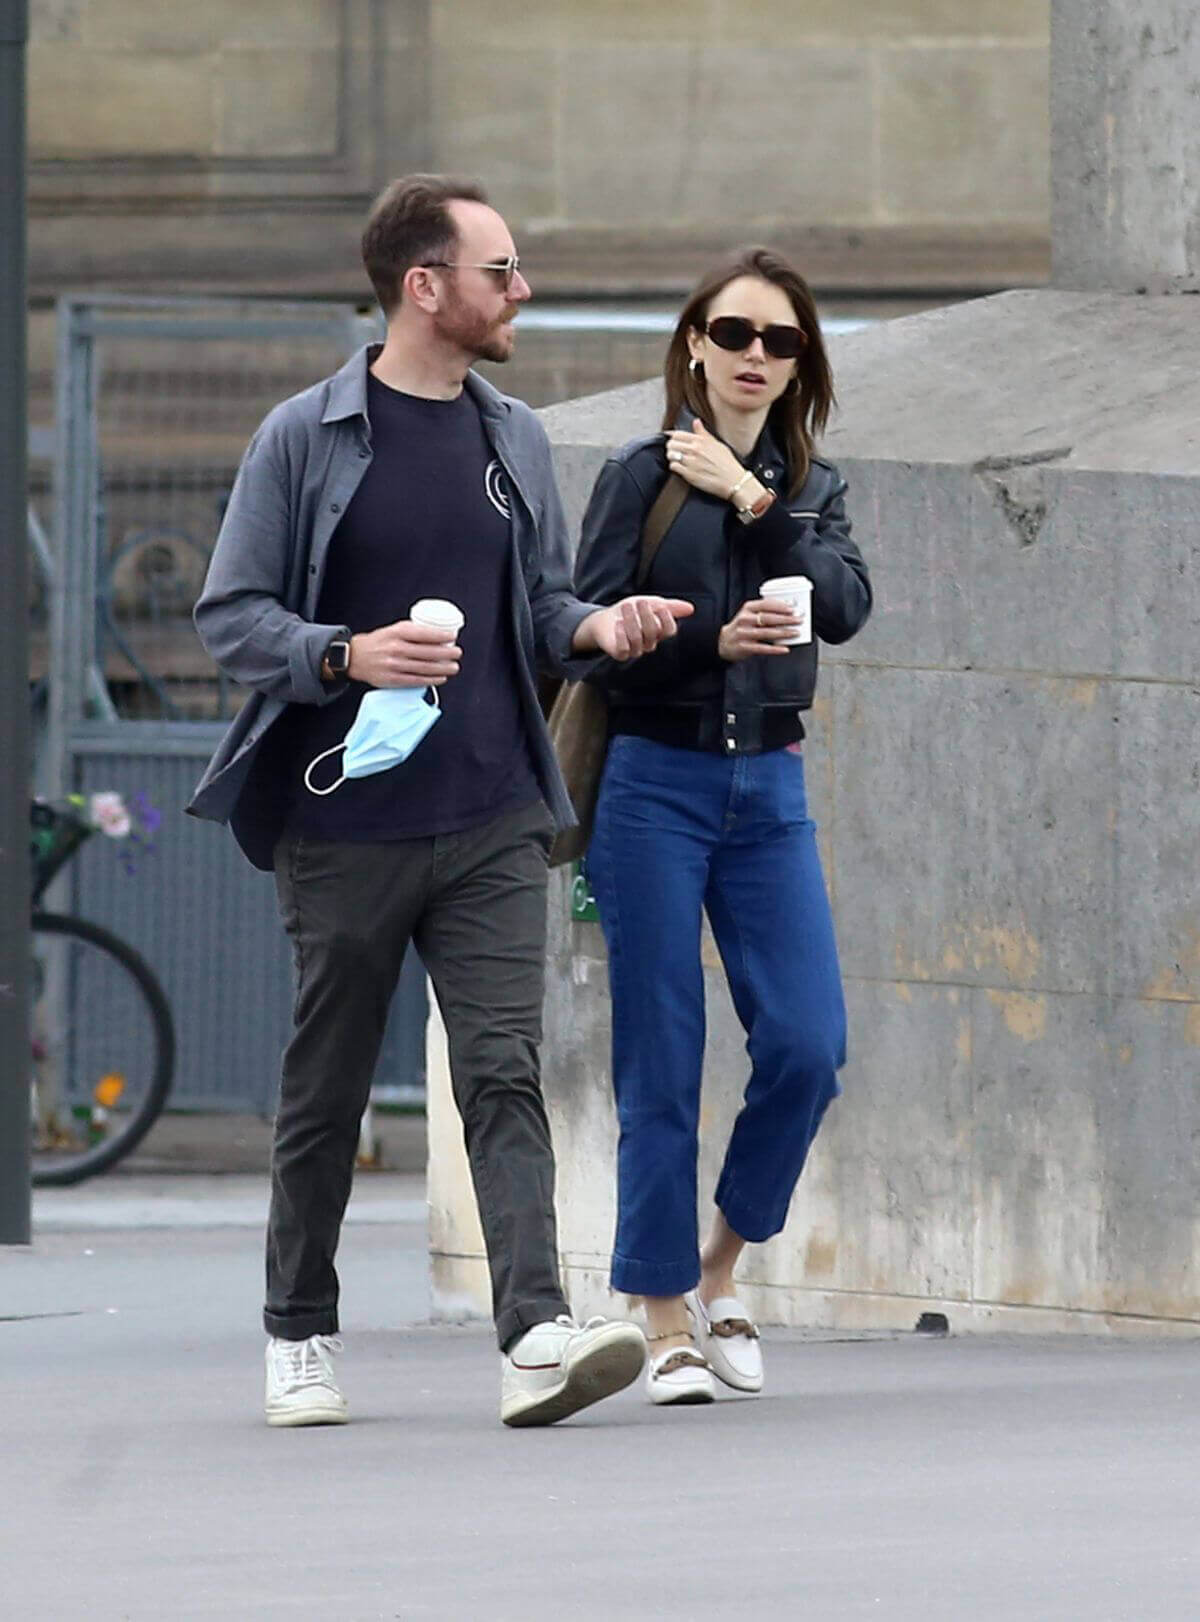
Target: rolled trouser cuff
635,1277
524,1315
299,1326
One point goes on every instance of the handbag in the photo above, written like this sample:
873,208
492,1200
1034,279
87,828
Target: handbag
578,717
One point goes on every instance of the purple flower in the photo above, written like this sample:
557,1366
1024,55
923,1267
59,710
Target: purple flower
149,815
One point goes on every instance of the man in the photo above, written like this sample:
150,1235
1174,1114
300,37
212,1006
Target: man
405,476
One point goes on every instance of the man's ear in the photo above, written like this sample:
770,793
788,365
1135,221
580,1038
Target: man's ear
421,286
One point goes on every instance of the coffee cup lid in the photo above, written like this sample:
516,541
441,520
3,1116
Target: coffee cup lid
437,611
786,583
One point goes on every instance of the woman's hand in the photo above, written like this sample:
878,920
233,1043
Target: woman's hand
706,462
759,627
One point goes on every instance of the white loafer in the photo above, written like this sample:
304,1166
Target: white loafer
729,1340
679,1375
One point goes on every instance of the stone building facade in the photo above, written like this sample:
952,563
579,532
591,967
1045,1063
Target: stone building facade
893,144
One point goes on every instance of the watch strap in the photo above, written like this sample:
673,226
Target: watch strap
755,509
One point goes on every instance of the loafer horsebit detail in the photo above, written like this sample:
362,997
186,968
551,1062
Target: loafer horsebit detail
727,1328
686,1357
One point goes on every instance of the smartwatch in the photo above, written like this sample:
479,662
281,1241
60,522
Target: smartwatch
335,666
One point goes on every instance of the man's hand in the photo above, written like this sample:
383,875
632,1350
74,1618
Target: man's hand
634,626
404,655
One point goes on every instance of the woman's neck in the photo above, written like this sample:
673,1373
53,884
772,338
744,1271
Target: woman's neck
739,429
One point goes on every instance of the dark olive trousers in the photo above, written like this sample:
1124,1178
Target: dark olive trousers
474,905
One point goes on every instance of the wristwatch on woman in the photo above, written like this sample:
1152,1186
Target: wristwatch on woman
755,509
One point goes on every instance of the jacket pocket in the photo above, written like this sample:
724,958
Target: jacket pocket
792,680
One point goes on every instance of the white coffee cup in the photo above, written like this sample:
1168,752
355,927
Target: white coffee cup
438,614
793,591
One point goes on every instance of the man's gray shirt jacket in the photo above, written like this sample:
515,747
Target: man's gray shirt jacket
256,612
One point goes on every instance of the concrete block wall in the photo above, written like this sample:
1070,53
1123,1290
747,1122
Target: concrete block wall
1004,770
1126,196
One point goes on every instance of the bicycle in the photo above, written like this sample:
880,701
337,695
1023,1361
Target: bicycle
103,1050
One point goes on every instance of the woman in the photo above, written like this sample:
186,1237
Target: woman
702,803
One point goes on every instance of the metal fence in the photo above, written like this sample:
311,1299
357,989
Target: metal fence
210,926
155,403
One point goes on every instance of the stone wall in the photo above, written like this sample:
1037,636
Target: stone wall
1127,143
892,143
1003,767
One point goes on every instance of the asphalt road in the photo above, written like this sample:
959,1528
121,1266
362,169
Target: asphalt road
881,1476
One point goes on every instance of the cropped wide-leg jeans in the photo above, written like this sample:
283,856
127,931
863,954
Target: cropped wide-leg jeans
679,832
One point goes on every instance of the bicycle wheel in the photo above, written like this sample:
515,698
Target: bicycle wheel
103,1049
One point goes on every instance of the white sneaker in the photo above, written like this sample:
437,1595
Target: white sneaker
301,1386
555,1369
679,1375
729,1340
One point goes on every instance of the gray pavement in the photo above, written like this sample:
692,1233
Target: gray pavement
880,1476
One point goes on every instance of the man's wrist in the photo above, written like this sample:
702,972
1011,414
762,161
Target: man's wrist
335,662
583,638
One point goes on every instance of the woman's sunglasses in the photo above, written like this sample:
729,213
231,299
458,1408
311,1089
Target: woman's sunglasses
735,332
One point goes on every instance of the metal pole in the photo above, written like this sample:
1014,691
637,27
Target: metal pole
73,602
14,653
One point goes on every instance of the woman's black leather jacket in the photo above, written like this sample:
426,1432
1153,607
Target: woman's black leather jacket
684,693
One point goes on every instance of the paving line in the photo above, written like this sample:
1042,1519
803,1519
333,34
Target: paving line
86,1213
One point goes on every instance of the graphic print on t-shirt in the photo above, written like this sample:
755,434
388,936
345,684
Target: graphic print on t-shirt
496,487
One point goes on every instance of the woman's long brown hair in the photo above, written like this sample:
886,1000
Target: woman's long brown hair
800,414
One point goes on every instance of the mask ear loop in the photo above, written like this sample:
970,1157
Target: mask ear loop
431,697
325,753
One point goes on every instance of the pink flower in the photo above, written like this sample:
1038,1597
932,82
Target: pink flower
108,813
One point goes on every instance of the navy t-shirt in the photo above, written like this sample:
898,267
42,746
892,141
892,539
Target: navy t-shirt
431,518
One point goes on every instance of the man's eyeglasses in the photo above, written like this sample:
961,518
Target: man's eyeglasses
506,269
781,342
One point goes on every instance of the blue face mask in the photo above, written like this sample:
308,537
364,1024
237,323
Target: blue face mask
390,723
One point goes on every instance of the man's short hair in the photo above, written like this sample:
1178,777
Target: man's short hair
410,224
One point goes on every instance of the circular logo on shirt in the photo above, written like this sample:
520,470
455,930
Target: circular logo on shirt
496,487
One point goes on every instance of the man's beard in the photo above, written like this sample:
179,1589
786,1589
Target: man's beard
473,333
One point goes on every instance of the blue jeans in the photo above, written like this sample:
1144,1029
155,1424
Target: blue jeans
678,831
